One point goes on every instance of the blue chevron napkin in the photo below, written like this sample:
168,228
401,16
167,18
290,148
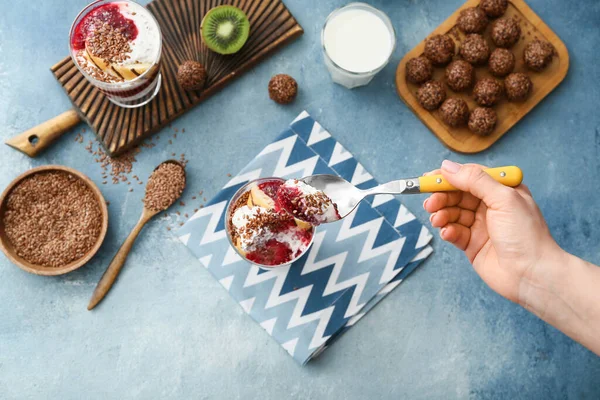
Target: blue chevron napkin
351,266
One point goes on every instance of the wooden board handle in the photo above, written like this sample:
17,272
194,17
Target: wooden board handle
36,139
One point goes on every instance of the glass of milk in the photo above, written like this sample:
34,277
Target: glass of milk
358,41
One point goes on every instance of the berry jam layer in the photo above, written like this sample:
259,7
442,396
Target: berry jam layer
263,233
116,42
306,203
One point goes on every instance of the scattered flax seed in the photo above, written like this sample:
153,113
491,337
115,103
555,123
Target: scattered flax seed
182,204
52,219
178,213
170,141
173,154
176,130
165,185
229,175
168,228
193,197
174,136
201,205
141,183
108,203
181,224
200,192
195,210
204,199
185,215
182,130
104,182
82,130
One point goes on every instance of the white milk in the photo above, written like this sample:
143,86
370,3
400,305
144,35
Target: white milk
357,41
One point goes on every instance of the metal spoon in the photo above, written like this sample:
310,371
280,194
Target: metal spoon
347,196
113,270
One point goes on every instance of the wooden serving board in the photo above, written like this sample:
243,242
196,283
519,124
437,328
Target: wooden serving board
271,26
462,139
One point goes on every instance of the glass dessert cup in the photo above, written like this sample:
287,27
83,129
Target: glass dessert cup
234,204
132,91
346,77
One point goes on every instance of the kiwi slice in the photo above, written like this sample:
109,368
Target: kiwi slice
225,29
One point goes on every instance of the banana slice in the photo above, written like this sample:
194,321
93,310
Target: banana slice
125,72
303,225
131,71
100,63
250,202
259,198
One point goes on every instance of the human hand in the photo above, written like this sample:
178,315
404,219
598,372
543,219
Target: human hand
500,229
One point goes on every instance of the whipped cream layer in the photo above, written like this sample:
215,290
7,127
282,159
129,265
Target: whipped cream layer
145,48
254,232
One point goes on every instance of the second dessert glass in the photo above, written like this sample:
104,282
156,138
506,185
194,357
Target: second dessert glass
231,209
133,91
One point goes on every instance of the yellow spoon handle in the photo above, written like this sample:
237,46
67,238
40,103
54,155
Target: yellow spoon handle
509,176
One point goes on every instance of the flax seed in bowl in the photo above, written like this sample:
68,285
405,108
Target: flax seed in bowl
53,220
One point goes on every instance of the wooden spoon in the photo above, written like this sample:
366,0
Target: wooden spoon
111,273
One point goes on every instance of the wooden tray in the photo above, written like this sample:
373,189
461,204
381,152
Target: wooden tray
461,139
271,26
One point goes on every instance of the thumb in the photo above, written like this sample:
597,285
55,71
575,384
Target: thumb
471,178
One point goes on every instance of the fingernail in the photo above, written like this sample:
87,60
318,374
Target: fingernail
431,217
443,232
450,166
425,204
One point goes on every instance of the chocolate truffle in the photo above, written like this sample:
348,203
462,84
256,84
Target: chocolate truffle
538,55
487,92
455,112
431,95
474,49
501,62
494,8
419,70
505,32
482,121
517,86
191,75
283,89
460,75
472,20
439,49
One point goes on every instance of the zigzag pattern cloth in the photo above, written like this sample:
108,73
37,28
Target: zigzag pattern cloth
352,265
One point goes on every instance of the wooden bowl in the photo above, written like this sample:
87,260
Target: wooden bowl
7,247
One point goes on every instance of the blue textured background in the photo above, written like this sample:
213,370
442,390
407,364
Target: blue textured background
168,330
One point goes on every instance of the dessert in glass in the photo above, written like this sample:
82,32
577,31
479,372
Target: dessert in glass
262,232
117,46
358,41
